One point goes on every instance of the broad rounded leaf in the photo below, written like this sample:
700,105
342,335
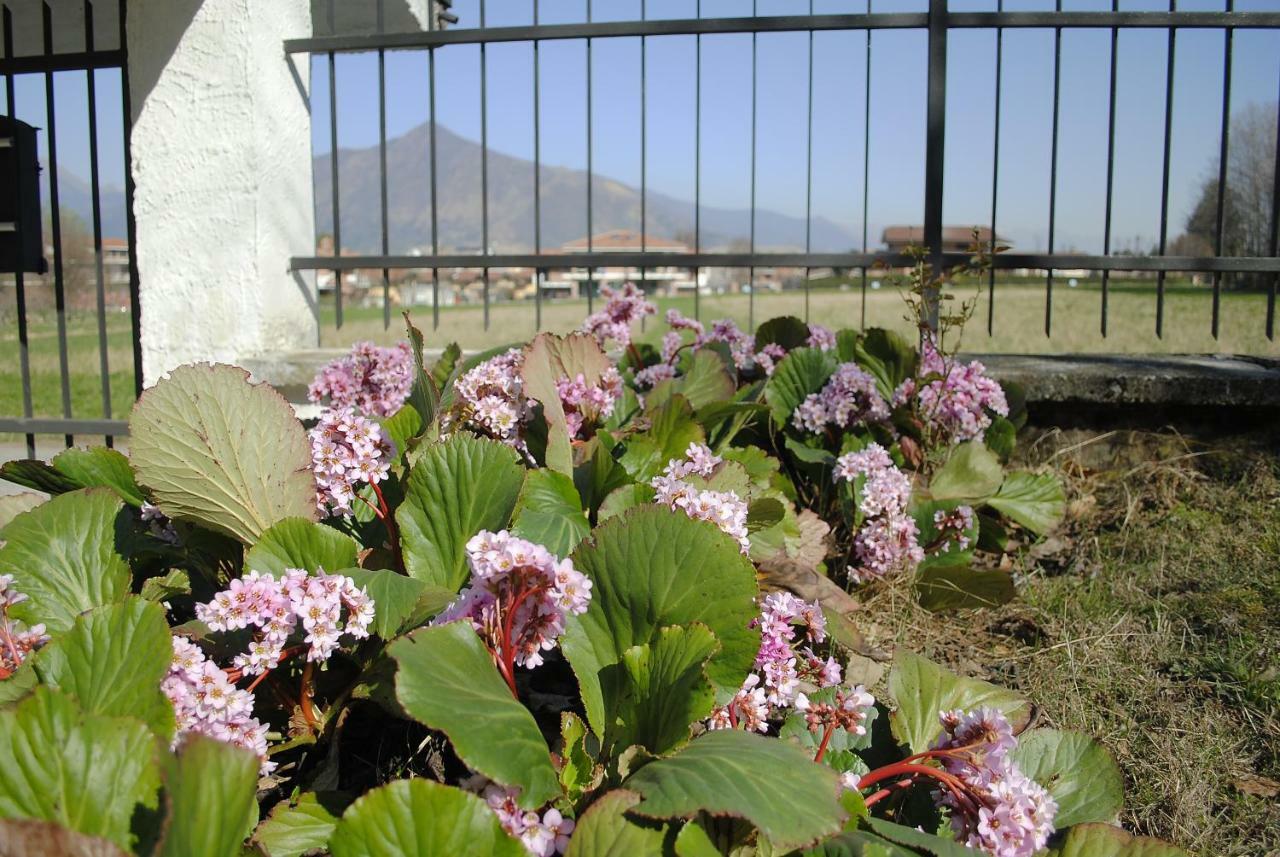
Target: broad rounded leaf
957,587
1103,840
919,841
624,498
86,773
858,843
62,555
785,330
112,661
801,372
770,783
422,818
100,467
921,690
887,356
26,837
672,428
221,452
1035,500
704,381
456,489
1077,771
300,826
33,473
549,512
13,505
973,473
210,787
605,830
446,680
298,543
395,597
547,359
652,568
665,691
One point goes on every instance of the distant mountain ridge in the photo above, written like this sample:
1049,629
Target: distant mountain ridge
511,203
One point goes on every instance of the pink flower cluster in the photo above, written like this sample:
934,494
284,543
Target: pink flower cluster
785,662
493,395
588,404
275,607
848,399
16,640
958,405
207,702
518,597
346,450
371,379
886,541
953,527
821,337
542,835
1002,811
622,308
725,509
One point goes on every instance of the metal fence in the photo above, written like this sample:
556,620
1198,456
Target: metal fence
76,58
938,21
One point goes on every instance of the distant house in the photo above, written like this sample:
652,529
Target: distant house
567,280
955,239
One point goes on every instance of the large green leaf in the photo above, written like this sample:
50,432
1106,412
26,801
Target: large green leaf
424,395
921,690
887,356
960,586
446,679
86,773
1104,840
705,381
221,452
210,787
421,818
1035,500
113,660
26,837
1077,771
300,826
456,489
651,568
770,783
605,830
547,359
549,512
785,330
62,555
99,467
13,505
297,543
666,690
800,373
33,473
918,840
858,843
395,597
672,428
972,473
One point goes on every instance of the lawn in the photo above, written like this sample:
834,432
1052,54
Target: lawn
1149,621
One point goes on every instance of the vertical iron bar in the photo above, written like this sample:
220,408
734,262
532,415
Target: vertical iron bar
808,176
591,272
935,149
1164,181
1111,156
104,367
19,280
55,226
751,272
1228,34
382,171
435,219
333,173
537,182
131,225
866,165
1275,236
697,167
644,148
484,163
995,177
1053,170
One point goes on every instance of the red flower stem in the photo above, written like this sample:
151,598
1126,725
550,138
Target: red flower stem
872,799
635,356
304,702
507,664
953,783
826,739
393,532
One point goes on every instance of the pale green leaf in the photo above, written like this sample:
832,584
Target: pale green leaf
421,818
665,690
705,380
1035,500
446,680
579,772
921,690
62,555
919,841
1103,840
624,498
606,830
770,783
887,356
801,372
174,583
296,543
672,428
956,587
547,359
100,467
395,597
299,826
1078,772
456,489
972,473
13,505
222,453
549,512
210,787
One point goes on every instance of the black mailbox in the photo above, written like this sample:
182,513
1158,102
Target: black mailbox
21,242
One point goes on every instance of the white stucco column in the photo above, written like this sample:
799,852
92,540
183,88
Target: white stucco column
222,168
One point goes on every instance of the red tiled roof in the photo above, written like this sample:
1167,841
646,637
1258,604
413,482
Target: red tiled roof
626,240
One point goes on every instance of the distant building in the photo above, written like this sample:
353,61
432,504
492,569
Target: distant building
955,239
658,279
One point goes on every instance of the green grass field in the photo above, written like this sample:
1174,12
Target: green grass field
1018,328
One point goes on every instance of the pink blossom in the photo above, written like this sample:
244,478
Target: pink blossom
492,399
887,539
725,509
371,379
17,640
849,399
959,400
347,450
623,307
588,404
541,835
821,337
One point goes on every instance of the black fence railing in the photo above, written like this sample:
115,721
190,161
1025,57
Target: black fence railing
86,269
938,22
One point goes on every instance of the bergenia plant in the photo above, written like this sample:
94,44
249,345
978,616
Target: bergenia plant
541,601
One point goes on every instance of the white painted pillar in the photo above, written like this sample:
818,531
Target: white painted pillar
222,169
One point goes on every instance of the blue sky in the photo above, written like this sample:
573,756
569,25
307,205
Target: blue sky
897,113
